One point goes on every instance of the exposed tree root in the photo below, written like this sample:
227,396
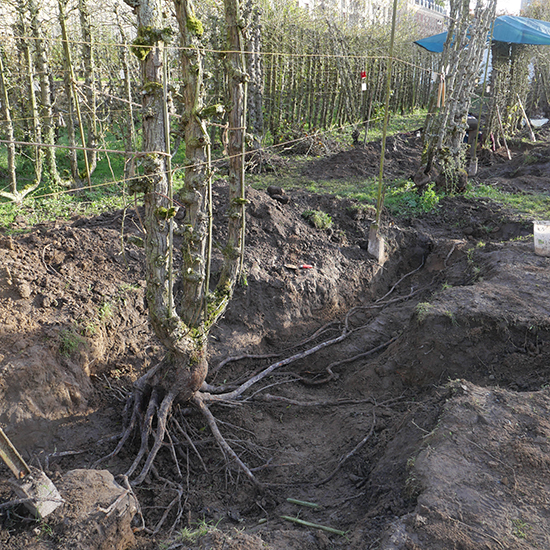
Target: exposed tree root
224,446
345,458
150,413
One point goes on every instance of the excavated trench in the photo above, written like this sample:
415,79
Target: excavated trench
444,366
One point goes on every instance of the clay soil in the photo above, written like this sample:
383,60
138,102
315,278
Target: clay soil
425,427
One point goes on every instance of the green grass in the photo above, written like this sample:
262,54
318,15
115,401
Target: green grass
397,124
401,197
532,206
318,219
64,206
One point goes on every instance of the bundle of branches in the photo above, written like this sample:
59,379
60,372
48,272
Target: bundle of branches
444,154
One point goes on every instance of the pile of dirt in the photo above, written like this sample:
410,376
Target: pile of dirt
422,425
401,160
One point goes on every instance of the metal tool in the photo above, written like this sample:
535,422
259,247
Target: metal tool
32,485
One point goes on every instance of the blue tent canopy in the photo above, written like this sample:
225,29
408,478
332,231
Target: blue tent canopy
508,28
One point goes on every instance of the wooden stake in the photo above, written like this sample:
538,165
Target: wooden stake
531,134
503,136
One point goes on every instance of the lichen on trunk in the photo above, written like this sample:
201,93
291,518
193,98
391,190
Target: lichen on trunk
181,321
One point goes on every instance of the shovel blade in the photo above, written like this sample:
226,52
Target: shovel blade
38,488
376,246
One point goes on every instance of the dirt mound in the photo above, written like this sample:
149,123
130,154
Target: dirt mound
482,474
402,159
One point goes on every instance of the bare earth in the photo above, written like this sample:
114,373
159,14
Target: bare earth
427,427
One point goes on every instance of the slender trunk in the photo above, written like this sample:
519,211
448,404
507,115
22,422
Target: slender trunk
236,71
129,129
197,174
255,87
35,133
8,125
459,65
46,107
68,84
88,57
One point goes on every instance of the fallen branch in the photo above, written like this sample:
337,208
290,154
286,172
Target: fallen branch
314,525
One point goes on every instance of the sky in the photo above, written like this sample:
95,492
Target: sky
510,6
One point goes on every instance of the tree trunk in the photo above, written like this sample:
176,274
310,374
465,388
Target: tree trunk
35,132
255,109
197,174
129,130
6,113
68,82
88,58
46,107
459,68
236,71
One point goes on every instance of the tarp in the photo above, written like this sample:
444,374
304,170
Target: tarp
508,28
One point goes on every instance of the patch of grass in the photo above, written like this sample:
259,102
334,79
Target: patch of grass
520,528
105,311
69,342
318,219
532,205
397,123
422,309
452,317
403,199
63,206
190,536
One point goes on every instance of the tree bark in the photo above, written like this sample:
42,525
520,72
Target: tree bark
236,70
459,68
255,112
68,84
129,129
197,173
6,113
35,132
46,107
88,58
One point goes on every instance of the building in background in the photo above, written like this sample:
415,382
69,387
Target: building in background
429,16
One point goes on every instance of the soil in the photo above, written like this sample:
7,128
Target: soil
425,427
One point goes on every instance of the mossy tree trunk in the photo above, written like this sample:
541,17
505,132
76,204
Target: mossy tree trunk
500,82
255,89
519,86
238,79
128,128
34,128
197,174
184,367
68,85
181,321
44,76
